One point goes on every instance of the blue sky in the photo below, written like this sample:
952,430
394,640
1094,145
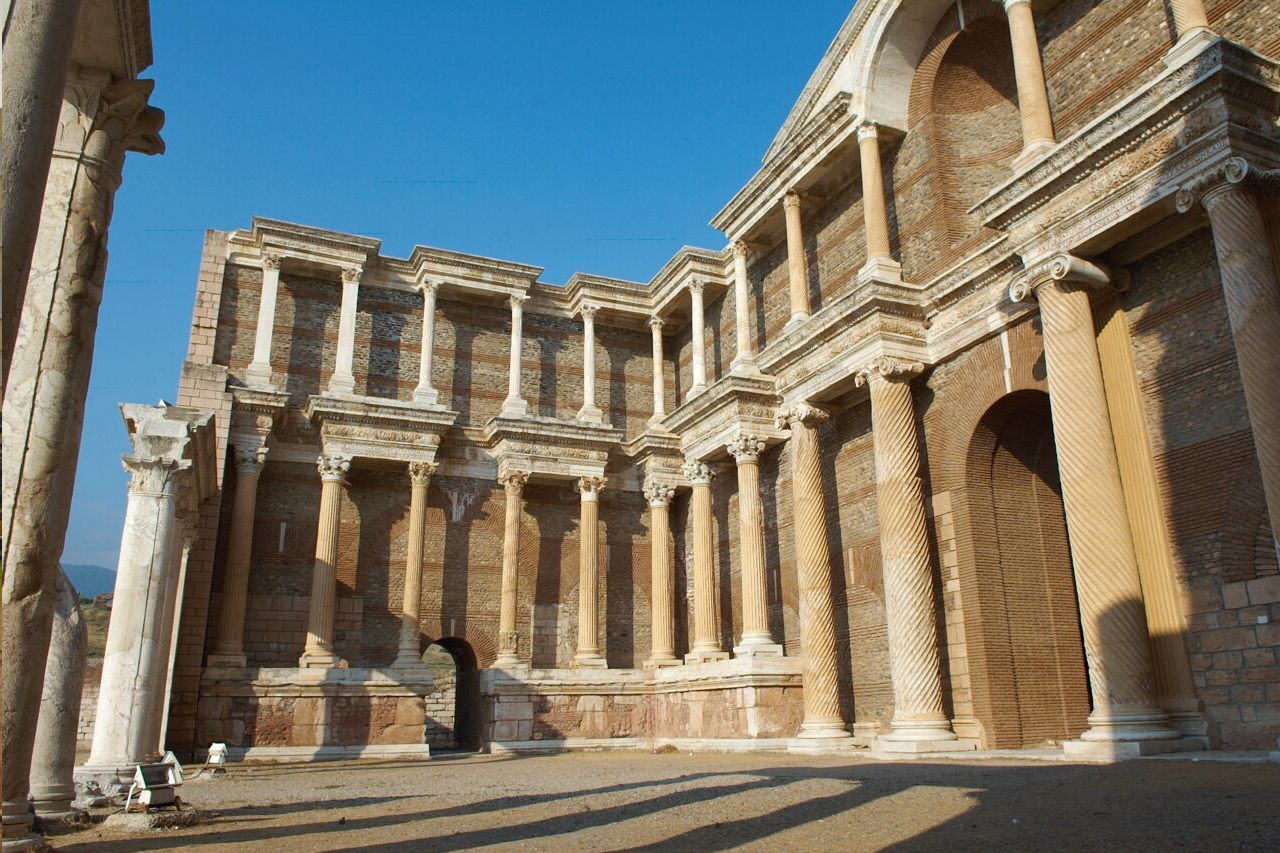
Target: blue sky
578,136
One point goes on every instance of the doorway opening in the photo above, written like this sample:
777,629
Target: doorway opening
453,708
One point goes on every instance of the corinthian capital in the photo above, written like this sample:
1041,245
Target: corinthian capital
589,487
250,457
740,249
270,261
698,473
513,481
696,285
333,467
351,275
420,472
659,494
745,448
888,369
803,413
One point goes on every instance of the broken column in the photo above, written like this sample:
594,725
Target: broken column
53,760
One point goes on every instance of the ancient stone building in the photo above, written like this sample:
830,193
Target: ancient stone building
969,437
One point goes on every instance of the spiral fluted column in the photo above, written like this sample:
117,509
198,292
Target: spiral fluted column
822,716
588,655
914,662
1112,616
706,640
228,649
409,657
756,639
662,578
508,638
319,650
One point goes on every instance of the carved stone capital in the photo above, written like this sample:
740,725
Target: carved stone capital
589,487
513,481
656,322
868,131
888,369
696,285
698,473
351,275
333,467
791,200
805,413
420,472
740,249
659,494
428,286
588,311
517,301
153,476
746,448
270,261
1062,268
250,457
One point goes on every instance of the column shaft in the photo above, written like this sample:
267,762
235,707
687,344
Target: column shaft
1102,551
914,663
745,359
515,406
508,638
659,375
797,264
706,640
228,649
697,326
425,392
662,578
874,214
1251,290
756,638
343,380
822,714
1033,98
319,651
588,550
54,759
589,411
259,370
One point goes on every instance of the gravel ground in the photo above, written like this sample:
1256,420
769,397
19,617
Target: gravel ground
638,801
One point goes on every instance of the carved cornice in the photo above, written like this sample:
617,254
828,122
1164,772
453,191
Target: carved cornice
375,428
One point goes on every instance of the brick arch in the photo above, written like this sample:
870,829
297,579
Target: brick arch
1026,662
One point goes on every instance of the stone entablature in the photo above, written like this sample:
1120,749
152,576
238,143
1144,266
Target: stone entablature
372,428
732,406
552,448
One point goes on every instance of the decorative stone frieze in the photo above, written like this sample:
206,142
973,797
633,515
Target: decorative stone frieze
734,405
549,447
369,428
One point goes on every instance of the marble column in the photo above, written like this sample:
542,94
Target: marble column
426,393
343,380
54,759
1112,616
1033,97
588,656
823,719
409,658
515,406
797,264
48,382
880,265
258,374
659,374
319,651
756,638
590,412
513,483
1250,271
38,35
910,609
745,359
706,638
662,577
698,333
250,455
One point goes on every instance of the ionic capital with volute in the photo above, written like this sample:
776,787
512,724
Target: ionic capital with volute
1062,268
698,473
420,472
1236,172
805,413
589,487
889,369
745,448
333,467
659,494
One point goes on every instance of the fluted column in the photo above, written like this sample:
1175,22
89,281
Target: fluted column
343,380
706,639
258,373
756,639
659,374
1112,615
508,638
797,264
745,359
1250,274
696,329
588,655
662,577
1033,97
880,265
590,412
228,649
823,719
515,406
426,393
909,606
319,651
409,658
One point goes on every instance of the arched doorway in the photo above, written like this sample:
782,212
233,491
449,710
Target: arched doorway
453,708
1031,683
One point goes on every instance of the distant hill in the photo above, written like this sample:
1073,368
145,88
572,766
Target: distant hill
90,580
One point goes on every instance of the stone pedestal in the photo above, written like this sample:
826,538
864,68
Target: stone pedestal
54,758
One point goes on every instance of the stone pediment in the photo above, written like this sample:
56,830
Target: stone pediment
550,448
735,404
368,428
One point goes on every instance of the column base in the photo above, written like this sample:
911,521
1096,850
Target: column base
342,384
107,779
411,670
17,823
919,731
427,396
228,661
588,660
1143,724
1122,750
321,660
866,734
259,376
694,390
655,423
744,366
1189,45
507,660
515,407
705,656
797,320
660,662
817,738
919,747
591,415
1033,151
752,647
880,271
53,802
28,841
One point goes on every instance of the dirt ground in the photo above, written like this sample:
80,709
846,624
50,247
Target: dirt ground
639,801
